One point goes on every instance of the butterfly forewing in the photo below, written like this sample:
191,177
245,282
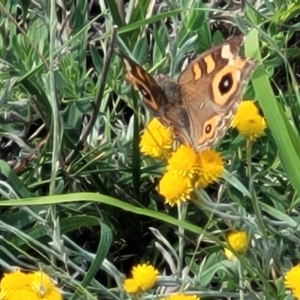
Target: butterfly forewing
153,96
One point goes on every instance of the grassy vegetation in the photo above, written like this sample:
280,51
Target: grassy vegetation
78,199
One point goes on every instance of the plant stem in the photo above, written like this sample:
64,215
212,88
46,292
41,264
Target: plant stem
248,157
182,209
255,204
241,280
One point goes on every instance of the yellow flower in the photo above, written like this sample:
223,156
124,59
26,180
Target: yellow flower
239,241
18,294
33,286
183,161
182,297
131,286
175,187
143,278
145,275
292,280
210,168
15,280
156,140
248,121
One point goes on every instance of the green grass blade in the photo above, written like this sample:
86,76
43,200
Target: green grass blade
115,13
277,121
103,199
102,252
14,180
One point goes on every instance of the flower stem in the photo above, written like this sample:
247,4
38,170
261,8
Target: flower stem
182,209
241,280
248,157
255,204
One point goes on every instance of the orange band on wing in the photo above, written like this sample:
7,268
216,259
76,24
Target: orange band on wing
197,71
210,63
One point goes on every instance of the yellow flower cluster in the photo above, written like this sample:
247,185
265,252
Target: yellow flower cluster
143,278
248,121
237,240
292,280
33,286
186,169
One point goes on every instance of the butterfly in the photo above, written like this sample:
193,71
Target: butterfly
201,103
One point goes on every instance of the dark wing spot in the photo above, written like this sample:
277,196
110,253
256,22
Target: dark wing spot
225,83
208,128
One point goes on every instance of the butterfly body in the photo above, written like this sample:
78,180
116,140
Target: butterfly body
199,106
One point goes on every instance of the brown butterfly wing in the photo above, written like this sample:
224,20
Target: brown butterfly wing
211,88
153,96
